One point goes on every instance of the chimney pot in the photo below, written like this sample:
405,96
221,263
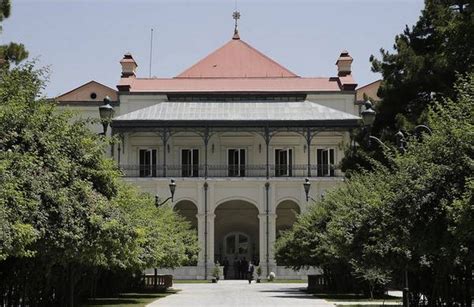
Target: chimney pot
129,66
344,63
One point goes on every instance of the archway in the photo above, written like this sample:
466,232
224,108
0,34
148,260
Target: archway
287,212
188,210
236,237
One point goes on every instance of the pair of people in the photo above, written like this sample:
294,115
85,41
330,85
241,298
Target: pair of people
240,268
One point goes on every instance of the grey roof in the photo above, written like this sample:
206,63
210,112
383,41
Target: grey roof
237,111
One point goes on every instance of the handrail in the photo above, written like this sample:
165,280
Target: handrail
224,170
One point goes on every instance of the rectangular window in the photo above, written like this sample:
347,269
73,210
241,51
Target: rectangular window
190,162
283,162
236,162
147,161
325,160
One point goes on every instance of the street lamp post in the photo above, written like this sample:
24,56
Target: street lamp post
368,118
307,187
106,112
368,115
172,186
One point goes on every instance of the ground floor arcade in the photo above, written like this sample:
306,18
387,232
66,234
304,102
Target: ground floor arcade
238,220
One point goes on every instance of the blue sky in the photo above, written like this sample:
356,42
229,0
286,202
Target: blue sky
83,40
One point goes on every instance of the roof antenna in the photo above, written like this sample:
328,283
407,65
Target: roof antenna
151,51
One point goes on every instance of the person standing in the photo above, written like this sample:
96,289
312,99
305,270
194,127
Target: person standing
225,263
236,266
250,270
243,268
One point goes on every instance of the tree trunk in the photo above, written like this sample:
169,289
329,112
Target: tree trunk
9,296
467,286
71,286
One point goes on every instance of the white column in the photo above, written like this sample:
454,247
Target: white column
263,242
201,216
272,226
210,239
211,223
201,219
272,238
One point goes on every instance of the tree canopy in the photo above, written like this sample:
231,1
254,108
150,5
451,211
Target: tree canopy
416,215
425,62
65,214
12,53
423,66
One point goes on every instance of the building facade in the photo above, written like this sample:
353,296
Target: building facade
238,133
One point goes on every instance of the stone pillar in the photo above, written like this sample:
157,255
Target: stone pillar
201,219
210,243
272,238
210,239
262,243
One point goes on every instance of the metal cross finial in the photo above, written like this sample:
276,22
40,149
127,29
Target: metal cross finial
236,16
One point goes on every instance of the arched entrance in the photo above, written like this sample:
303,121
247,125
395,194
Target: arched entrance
287,212
236,237
188,210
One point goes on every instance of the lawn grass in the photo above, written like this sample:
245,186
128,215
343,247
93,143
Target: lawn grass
276,281
190,281
128,299
285,281
349,297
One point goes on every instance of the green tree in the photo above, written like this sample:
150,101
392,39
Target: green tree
12,53
415,216
165,238
65,214
424,64
426,60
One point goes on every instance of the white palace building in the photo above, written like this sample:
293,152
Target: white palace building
239,133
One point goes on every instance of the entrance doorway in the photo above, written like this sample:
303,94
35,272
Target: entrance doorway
237,254
236,237
237,244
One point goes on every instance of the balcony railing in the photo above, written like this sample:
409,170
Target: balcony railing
256,170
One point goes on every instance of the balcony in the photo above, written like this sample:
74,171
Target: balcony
259,170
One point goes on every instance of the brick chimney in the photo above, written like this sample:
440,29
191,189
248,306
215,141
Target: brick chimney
129,66
344,64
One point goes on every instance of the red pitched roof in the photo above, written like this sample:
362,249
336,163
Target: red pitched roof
236,59
236,67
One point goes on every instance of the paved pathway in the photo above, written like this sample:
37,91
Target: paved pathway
232,293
